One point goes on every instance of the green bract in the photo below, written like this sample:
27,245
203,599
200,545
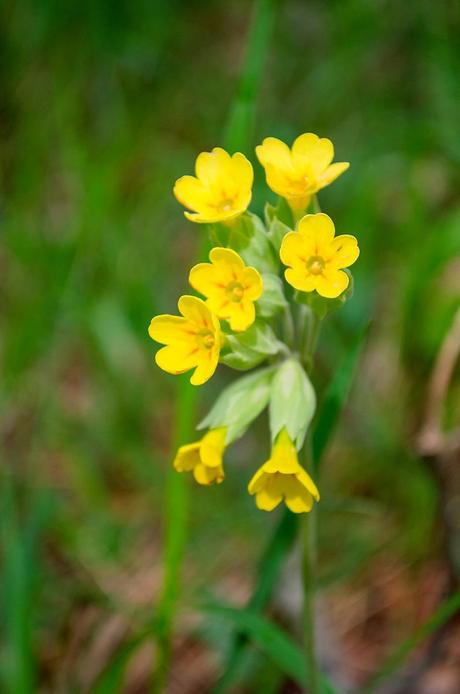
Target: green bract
240,403
292,401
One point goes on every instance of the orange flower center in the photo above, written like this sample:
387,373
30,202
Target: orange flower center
315,265
206,339
235,291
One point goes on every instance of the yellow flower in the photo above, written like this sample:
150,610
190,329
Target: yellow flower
282,477
221,189
297,173
229,286
193,340
204,457
316,259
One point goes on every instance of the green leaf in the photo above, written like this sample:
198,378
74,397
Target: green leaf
272,641
259,337
241,358
249,238
280,211
240,403
244,350
272,300
276,233
292,401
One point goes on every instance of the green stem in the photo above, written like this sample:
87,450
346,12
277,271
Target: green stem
309,336
311,325
308,538
288,327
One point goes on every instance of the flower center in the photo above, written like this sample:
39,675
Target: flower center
226,205
206,339
315,265
235,291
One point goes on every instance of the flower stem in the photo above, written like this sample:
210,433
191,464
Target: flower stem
308,538
309,334
309,339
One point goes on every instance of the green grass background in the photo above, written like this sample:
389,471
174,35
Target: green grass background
104,104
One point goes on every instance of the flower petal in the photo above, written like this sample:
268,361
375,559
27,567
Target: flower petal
295,249
258,481
274,152
178,358
187,457
213,446
167,329
191,192
298,499
242,170
306,481
208,475
206,366
268,499
344,251
319,152
226,256
332,283
213,167
204,278
319,228
332,172
196,311
252,283
301,281
243,314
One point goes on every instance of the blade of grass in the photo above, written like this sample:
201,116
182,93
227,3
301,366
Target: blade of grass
285,531
445,611
240,125
238,132
272,641
20,576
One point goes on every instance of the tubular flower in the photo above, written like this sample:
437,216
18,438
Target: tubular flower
297,173
221,189
204,457
229,286
316,259
282,477
193,340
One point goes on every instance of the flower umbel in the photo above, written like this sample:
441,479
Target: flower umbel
204,457
193,340
221,189
282,477
297,173
316,259
229,286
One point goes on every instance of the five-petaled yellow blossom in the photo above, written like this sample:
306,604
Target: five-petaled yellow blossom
193,340
282,477
204,457
229,286
221,189
316,259
297,173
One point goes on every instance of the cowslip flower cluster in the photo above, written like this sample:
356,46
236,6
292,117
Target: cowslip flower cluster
263,281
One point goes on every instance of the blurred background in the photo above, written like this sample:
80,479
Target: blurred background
103,105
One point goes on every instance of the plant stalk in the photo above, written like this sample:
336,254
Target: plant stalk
309,340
